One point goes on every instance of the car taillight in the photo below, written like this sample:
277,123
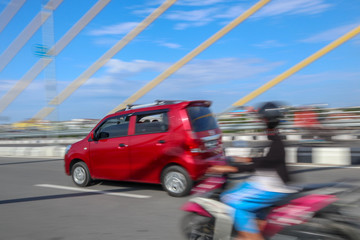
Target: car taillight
195,150
194,145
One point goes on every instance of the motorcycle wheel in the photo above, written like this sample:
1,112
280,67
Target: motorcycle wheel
314,231
305,236
197,227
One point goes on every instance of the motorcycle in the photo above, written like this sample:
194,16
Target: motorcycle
316,211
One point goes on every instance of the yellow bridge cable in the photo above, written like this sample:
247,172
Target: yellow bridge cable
103,60
298,66
26,34
190,55
9,12
41,64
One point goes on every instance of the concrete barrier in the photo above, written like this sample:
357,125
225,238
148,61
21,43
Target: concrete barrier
310,155
48,151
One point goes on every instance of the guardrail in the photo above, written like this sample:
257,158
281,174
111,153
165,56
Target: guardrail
45,134
334,119
248,123
234,130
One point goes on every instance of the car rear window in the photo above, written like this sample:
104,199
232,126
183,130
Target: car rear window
201,118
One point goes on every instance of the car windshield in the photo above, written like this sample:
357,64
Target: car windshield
201,118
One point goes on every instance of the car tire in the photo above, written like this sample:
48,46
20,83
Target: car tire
80,174
176,181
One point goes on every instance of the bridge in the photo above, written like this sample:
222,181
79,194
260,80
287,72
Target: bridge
192,65
65,64
46,49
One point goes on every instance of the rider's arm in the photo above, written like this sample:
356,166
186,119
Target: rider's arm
234,165
222,169
273,158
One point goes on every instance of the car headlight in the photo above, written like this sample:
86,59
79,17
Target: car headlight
67,148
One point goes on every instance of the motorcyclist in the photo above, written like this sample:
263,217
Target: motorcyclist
265,186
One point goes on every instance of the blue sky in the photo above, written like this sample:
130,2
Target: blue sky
274,39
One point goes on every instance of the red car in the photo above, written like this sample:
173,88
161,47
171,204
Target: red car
167,142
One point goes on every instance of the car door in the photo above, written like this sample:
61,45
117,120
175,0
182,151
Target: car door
147,145
109,152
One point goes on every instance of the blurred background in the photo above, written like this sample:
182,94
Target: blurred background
65,65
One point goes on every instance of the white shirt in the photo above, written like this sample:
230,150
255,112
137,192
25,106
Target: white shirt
270,181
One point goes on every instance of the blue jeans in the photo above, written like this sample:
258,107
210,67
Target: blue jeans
248,201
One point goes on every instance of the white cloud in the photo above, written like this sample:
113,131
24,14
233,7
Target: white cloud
204,16
191,3
118,29
221,80
231,13
169,45
106,41
200,3
99,81
196,73
136,66
154,2
6,85
269,44
325,78
116,81
330,34
293,7
144,11
196,80
223,69
357,40
181,26
193,18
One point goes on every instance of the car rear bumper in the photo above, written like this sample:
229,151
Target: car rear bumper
201,165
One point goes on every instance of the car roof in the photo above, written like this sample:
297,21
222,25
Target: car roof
161,104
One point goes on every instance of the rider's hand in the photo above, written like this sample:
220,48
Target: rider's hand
221,169
242,159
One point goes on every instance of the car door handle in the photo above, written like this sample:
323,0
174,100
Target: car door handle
160,142
122,145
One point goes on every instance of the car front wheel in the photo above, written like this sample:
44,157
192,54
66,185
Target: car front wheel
176,181
80,174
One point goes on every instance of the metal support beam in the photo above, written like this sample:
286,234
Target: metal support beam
40,65
190,55
9,12
26,34
103,59
298,66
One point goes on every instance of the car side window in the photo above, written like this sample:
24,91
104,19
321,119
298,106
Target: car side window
113,127
151,123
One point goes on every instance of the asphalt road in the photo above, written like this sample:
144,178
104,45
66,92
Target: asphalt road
38,201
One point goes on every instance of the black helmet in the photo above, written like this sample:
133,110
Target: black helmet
271,112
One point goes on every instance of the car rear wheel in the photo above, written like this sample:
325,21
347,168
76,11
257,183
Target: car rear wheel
176,181
80,174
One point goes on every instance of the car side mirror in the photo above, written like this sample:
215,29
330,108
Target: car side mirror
92,136
104,135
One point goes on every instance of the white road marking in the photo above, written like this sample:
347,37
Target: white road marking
92,191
